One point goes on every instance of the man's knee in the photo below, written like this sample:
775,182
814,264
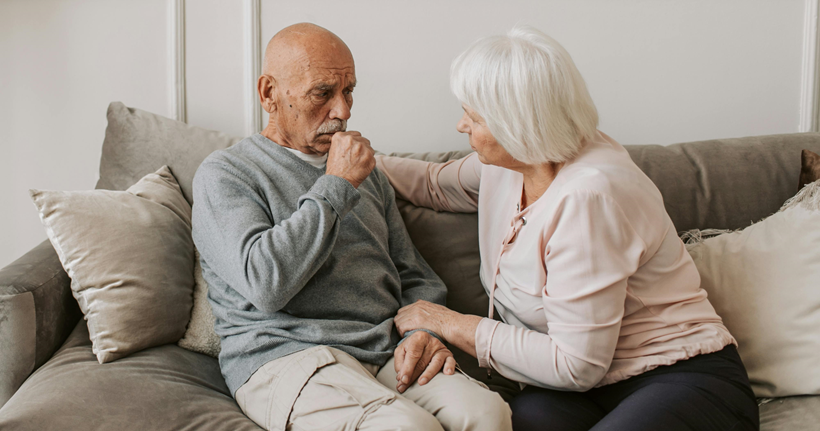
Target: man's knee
402,414
476,409
460,403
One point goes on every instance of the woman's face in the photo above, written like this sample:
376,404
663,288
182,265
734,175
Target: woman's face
489,151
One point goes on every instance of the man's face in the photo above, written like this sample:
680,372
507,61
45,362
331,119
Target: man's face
315,101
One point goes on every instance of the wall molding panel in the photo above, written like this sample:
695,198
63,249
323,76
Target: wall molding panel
252,34
810,71
176,60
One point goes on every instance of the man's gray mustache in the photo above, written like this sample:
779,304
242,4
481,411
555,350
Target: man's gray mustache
333,127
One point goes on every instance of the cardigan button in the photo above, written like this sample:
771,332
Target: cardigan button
524,221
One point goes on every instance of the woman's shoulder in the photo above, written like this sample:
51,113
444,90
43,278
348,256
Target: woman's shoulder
605,167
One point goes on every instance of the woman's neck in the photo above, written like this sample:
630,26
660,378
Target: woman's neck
537,179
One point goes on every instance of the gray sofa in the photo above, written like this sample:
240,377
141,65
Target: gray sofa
49,378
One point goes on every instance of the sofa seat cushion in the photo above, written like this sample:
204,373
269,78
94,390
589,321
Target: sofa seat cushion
790,413
162,388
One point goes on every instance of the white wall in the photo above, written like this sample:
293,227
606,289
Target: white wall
61,63
660,72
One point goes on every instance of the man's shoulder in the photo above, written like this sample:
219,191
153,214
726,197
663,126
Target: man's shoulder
242,149
241,159
236,161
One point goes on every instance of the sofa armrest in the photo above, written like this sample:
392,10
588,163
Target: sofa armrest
37,312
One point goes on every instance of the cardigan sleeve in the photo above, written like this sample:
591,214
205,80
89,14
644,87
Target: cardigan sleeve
451,186
590,254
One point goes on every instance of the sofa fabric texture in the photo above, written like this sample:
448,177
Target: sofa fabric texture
130,257
711,184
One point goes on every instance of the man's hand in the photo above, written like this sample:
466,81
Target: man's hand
421,356
350,157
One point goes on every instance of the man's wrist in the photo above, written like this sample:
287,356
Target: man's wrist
411,332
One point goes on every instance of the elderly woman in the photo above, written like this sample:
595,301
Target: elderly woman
604,320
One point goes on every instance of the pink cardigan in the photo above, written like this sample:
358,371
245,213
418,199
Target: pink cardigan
591,280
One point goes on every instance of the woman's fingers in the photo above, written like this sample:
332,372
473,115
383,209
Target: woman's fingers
407,321
419,315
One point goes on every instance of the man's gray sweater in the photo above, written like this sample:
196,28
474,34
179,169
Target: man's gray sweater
295,258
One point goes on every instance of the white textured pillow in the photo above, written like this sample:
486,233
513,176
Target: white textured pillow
764,281
200,336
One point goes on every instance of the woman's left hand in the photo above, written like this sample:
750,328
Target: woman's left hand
425,315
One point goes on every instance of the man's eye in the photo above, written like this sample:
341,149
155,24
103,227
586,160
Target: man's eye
323,94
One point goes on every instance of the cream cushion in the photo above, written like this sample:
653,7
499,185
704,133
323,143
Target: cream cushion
130,257
764,281
200,336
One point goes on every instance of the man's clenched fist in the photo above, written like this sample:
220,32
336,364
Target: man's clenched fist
350,157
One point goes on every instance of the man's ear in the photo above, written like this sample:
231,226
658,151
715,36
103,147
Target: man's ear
266,87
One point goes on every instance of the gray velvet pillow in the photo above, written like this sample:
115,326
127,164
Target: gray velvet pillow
130,257
139,142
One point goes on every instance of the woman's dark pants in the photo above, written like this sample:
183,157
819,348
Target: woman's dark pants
706,392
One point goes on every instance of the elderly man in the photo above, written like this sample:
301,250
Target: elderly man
308,261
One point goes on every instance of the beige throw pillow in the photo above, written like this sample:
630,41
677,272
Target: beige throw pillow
130,257
764,281
200,336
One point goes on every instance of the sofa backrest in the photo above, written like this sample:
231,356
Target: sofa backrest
721,184
725,183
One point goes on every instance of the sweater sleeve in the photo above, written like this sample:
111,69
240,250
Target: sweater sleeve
591,253
451,186
418,280
266,263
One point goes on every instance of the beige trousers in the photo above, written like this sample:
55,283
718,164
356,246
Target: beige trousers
323,388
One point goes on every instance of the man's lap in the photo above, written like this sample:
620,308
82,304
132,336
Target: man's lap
330,389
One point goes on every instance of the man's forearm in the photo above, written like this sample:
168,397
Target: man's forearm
264,262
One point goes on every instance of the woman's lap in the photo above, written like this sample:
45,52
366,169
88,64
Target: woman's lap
543,409
702,394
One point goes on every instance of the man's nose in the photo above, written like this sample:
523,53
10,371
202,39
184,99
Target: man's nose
340,109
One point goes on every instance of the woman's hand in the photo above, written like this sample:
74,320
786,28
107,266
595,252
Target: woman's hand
425,315
455,328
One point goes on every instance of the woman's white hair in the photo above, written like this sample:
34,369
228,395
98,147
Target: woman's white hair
529,91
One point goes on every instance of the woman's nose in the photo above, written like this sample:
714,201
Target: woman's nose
462,125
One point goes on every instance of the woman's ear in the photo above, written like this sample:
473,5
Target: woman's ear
266,87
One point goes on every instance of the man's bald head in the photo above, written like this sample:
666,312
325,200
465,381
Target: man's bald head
307,87
295,48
